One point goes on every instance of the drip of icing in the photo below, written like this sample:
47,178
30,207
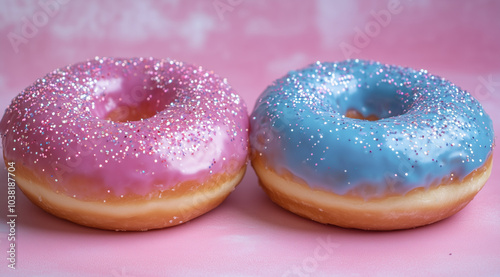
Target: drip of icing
421,128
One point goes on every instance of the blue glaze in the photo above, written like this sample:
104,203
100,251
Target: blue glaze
428,129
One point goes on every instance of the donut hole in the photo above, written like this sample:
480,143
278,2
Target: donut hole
352,113
128,103
372,104
151,103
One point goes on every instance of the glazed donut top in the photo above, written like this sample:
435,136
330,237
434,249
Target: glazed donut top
132,125
428,130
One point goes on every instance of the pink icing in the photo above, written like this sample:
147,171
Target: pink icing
187,125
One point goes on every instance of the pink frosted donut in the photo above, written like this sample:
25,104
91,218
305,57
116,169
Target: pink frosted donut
127,144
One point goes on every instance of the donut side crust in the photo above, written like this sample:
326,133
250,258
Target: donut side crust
417,208
132,215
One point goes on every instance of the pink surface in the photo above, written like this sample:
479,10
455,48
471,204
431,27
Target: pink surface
251,43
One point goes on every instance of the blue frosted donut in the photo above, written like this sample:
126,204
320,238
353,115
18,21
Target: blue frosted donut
369,130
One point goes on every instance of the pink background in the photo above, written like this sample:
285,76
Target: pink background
252,43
